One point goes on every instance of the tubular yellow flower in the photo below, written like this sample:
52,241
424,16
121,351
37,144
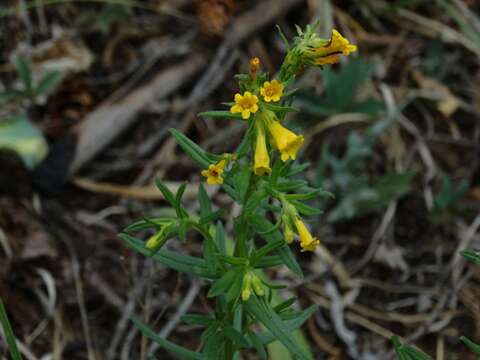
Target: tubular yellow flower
286,141
329,53
261,164
245,104
214,173
272,90
254,66
307,241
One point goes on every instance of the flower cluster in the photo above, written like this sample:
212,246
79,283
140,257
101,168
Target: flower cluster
311,50
262,102
261,177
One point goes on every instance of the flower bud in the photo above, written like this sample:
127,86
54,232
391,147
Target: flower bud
157,240
257,286
247,286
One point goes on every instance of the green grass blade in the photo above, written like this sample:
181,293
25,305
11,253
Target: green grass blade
8,333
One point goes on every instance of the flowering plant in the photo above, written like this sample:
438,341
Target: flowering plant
259,176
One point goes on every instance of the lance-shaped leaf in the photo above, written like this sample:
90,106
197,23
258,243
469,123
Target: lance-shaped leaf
181,263
200,156
224,114
167,345
262,312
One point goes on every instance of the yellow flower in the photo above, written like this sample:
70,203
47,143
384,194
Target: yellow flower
329,53
261,158
254,66
272,91
245,104
286,141
307,241
214,173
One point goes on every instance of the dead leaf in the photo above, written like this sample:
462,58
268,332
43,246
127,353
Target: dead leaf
392,256
448,102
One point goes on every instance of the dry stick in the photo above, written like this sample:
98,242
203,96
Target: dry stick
182,309
105,123
457,283
147,307
433,28
125,320
337,313
260,16
105,289
81,303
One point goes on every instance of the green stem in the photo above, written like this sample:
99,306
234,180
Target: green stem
241,248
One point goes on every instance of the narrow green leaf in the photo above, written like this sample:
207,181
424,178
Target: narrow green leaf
470,344
167,194
167,345
305,209
241,181
48,82
294,169
220,238
8,333
257,343
220,114
284,305
215,215
269,261
204,201
183,229
266,249
23,70
471,256
147,223
261,225
291,325
234,260
263,313
197,154
255,201
194,319
290,185
406,352
181,212
236,287
310,195
280,108
415,354
245,145
181,263
223,284
235,336
209,250
210,330
213,346
9,95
